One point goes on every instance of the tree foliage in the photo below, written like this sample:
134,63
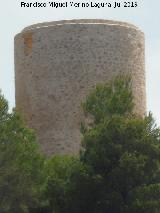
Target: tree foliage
21,163
114,97
119,167
118,170
63,172
123,150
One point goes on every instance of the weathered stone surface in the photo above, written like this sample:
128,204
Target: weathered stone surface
57,64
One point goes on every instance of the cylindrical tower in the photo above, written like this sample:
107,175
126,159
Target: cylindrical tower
57,63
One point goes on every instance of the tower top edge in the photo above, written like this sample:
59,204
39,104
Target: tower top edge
80,22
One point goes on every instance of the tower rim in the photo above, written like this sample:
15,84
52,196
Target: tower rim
80,22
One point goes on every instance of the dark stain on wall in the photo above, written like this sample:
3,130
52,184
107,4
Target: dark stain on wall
28,42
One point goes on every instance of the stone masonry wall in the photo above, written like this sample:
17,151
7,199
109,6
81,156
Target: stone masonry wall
58,63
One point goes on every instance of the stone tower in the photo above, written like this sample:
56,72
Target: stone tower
56,65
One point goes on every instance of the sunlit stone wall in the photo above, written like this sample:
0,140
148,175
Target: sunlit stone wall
57,64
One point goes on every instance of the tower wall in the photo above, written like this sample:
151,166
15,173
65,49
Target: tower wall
58,63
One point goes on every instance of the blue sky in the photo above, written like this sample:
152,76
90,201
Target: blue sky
146,16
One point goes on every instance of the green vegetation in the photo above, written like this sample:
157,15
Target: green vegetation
118,170
63,174
21,164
